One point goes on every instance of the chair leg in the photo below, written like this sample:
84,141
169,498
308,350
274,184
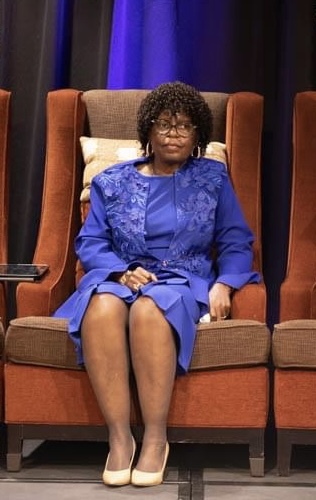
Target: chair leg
284,452
3,441
14,443
256,454
257,467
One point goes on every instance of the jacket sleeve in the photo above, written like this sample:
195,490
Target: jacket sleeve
93,244
233,240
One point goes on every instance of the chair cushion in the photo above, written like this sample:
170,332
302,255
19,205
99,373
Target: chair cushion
294,344
231,343
40,340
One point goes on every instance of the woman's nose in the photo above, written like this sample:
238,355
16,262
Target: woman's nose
173,128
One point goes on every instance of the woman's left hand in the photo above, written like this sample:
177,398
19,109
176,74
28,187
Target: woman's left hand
137,278
220,303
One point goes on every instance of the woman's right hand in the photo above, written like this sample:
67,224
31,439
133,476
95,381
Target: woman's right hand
220,302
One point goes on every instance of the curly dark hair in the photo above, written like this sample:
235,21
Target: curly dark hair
175,97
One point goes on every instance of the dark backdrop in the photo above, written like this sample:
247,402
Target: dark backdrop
265,46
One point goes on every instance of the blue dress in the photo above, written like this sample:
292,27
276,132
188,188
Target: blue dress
168,225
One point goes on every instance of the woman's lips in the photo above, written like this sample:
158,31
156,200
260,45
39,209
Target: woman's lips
172,146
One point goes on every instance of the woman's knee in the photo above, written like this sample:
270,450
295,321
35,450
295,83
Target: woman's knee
107,307
145,310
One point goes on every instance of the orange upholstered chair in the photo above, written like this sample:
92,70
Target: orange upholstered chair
225,396
4,205
294,338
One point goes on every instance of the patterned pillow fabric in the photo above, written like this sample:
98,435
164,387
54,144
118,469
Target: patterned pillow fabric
216,151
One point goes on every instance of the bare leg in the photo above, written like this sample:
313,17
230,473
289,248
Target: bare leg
105,348
153,353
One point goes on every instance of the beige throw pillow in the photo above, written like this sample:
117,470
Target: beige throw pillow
99,154
217,151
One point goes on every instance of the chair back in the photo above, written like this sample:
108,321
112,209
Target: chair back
298,290
4,191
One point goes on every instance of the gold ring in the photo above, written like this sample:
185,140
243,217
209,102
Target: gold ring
137,286
124,277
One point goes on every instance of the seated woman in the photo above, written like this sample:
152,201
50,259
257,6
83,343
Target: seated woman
149,275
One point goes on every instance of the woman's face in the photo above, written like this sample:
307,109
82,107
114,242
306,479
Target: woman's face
172,145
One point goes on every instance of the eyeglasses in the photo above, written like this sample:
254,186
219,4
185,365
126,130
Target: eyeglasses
163,127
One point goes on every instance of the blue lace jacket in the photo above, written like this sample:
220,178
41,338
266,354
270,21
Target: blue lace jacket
208,214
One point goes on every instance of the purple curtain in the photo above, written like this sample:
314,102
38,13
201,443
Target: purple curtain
143,44
190,40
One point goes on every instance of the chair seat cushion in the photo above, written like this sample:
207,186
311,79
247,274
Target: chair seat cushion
231,343
294,344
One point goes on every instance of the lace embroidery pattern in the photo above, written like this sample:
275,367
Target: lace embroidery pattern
197,187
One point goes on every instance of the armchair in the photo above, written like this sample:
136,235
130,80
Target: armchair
294,338
4,205
225,396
